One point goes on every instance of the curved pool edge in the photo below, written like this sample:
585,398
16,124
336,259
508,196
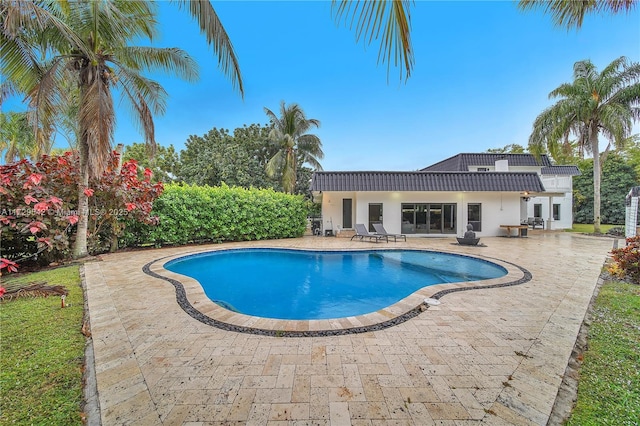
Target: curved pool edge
191,298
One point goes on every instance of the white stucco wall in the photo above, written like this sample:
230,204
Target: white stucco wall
332,209
497,209
566,212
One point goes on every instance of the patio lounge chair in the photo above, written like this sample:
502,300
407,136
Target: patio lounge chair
381,231
535,221
362,233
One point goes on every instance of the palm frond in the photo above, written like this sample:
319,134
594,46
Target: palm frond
217,38
571,13
168,60
135,86
27,19
18,63
275,164
387,20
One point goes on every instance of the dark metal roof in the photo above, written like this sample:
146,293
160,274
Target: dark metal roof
461,162
561,170
427,181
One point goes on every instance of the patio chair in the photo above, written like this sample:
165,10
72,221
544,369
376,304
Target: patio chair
381,231
362,233
535,221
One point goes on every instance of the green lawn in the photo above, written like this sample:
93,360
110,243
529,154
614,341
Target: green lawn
587,228
42,353
609,384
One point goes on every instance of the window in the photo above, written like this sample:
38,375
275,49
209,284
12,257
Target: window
429,218
556,212
537,210
474,216
483,169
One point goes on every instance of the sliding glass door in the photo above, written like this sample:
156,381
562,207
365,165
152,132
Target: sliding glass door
429,218
375,215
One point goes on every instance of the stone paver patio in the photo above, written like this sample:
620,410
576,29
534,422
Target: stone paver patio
494,356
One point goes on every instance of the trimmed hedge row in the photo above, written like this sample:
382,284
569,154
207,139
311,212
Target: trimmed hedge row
197,214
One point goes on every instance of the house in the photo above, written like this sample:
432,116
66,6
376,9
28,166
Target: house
486,190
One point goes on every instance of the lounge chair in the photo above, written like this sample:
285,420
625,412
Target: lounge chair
362,233
535,221
381,231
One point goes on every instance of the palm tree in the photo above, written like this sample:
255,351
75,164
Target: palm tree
295,145
571,13
606,103
88,42
17,140
90,46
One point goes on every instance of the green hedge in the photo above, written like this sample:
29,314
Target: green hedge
196,214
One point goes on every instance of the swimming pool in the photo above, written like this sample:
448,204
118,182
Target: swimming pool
307,285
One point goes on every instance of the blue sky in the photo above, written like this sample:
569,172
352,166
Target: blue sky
483,72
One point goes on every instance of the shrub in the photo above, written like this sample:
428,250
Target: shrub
40,202
197,214
627,260
120,199
37,200
616,231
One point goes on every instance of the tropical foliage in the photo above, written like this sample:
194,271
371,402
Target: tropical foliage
295,146
389,20
89,43
237,159
618,176
512,148
198,214
595,103
571,13
40,207
626,260
17,140
164,164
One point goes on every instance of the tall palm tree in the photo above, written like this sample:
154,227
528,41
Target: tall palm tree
90,45
295,145
606,103
571,13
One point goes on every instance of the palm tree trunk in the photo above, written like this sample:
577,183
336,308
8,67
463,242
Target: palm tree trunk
80,245
115,224
597,173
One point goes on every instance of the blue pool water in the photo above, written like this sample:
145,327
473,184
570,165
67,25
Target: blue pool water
304,285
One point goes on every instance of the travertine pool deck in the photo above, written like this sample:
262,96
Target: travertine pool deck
492,355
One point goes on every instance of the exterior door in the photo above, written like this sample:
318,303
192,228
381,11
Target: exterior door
408,219
375,215
347,213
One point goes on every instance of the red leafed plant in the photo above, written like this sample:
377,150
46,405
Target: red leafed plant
118,199
627,260
32,216
39,205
